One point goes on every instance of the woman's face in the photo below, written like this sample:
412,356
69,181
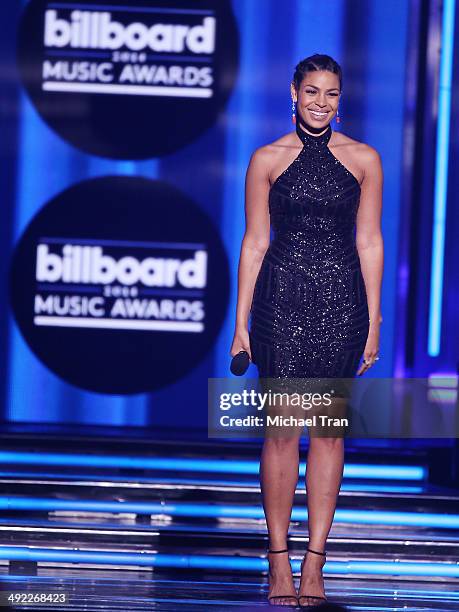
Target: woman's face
318,97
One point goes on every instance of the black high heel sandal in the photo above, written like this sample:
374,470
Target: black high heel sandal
317,597
284,550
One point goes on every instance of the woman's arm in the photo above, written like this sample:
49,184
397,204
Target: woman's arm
369,243
254,243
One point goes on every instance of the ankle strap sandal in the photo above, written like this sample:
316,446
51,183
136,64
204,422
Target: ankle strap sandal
284,550
315,597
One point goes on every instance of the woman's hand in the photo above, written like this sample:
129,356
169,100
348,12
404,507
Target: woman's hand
241,342
370,354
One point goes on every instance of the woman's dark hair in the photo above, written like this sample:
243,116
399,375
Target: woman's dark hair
316,62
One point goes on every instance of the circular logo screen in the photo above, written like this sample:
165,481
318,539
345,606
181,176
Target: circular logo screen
128,80
120,285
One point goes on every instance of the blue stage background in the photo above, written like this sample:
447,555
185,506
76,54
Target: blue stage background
371,42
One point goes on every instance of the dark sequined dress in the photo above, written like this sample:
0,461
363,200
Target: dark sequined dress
309,314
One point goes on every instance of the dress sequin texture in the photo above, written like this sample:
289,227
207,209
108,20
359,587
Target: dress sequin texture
309,314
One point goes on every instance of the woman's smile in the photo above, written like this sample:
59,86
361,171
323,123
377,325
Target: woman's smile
318,114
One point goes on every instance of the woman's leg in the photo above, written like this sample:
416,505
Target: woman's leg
278,480
324,471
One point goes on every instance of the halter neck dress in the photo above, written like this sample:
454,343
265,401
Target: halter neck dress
309,314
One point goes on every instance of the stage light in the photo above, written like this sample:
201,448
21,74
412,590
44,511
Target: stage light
223,511
441,178
222,562
351,470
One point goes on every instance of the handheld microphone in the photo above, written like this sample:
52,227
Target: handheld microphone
239,363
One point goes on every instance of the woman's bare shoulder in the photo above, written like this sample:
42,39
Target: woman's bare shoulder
269,152
365,158
288,140
364,151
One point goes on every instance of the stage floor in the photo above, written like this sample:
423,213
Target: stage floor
170,591
162,525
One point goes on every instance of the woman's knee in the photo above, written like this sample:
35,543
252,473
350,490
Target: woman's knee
282,442
326,442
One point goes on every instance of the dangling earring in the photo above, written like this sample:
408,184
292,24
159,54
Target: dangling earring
293,112
338,119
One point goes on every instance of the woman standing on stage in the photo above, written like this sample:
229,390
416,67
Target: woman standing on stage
313,298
